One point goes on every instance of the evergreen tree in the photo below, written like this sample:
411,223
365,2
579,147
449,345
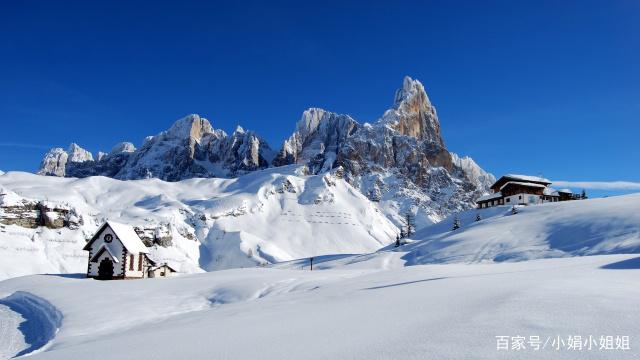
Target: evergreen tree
456,223
410,223
583,195
478,218
397,240
514,210
402,234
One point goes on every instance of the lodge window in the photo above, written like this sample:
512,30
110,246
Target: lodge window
508,199
132,259
140,263
519,197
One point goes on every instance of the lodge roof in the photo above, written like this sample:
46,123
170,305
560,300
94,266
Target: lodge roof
521,178
490,197
522,183
528,178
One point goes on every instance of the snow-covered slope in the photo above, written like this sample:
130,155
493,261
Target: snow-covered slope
452,311
263,217
572,228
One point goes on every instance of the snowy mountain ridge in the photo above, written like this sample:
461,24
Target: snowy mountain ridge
400,160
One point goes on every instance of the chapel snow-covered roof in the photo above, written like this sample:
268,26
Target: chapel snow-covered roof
566,191
127,236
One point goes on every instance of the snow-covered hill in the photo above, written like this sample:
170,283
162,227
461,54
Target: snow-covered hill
452,311
260,218
572,228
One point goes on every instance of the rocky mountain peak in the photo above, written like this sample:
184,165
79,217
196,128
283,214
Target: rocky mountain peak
124,146
191,126
410,88
319,136
78,154
400,161
55,160
413,114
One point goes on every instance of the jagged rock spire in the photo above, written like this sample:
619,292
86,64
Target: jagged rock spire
413,114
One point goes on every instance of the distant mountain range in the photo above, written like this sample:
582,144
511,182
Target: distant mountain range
400,161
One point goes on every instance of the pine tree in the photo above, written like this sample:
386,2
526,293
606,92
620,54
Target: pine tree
410,223
456,223
478,218
583,195
397,240
514,210
402,234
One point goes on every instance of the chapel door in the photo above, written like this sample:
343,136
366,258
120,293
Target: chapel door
105,270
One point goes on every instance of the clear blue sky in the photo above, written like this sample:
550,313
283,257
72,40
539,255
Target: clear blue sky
534,87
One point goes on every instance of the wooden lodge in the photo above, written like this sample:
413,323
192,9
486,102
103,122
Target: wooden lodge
514,189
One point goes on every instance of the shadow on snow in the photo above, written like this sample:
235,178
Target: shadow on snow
623,265
41,319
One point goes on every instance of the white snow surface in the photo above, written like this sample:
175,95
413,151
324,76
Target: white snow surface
562,229
263,217
450,311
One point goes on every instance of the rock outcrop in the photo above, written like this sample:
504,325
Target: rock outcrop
27,213
319,137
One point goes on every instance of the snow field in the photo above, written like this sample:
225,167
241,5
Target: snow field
428,311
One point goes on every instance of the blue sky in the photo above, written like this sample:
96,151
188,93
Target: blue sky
537,87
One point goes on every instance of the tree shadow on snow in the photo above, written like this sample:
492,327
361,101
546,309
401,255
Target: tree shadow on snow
623,265
403,283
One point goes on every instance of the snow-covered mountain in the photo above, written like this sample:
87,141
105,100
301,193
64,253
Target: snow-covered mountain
213,200
200,224
399,161
190,148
